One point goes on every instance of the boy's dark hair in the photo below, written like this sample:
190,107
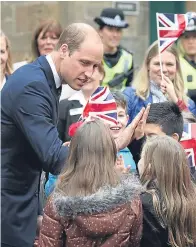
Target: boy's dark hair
168,116
120,99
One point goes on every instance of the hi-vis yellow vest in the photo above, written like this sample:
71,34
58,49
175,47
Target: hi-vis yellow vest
189,74
124,64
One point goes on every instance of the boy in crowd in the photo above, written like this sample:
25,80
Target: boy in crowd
163,118
166,119
124,155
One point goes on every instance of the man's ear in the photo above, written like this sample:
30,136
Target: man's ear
176,137
64,50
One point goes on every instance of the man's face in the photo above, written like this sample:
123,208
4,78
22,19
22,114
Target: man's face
116,130
77,68
93,83
111,36
153,129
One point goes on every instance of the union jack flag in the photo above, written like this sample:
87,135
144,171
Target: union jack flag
188,141
100,105
169,28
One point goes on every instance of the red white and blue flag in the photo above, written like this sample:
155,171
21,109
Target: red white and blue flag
169,28
101,105
188,141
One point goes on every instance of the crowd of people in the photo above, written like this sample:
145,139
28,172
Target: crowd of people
128,183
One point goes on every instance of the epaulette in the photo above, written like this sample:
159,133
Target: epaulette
130,52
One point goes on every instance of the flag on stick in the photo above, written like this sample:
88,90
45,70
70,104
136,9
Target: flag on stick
100,105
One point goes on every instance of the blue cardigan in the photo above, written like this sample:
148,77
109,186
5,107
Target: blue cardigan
135,104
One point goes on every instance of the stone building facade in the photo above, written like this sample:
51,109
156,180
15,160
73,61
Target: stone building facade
19,19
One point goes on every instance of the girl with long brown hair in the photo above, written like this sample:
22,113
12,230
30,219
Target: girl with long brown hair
169,204
92,204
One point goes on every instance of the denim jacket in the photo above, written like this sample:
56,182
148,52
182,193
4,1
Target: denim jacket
135,104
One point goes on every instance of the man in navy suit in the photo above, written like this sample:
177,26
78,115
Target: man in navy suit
29,114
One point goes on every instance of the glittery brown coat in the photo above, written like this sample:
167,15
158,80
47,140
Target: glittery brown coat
112,217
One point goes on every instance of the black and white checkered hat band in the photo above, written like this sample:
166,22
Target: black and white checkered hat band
191,26
116,22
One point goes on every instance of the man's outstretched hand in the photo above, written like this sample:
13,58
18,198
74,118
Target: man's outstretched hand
127,135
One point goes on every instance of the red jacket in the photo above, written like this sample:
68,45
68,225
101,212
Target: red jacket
112,217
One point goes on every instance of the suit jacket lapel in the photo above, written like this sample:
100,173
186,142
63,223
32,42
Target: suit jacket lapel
50,78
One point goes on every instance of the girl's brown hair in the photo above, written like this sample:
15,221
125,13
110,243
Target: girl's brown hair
166,175
141,81
91,161
45,26
9,65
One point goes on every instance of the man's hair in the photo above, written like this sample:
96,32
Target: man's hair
168,116
74,35
120,100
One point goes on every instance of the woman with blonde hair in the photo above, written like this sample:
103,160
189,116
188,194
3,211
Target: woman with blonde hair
149,87
187,51
92,204
45,38
169,204
6,59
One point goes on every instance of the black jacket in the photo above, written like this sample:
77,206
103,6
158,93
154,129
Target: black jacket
154,235
112,59
69,112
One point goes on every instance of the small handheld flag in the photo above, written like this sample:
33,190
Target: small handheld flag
169,28
188,141
100,105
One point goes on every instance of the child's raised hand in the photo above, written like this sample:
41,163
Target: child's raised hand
139,131
120,166
127,135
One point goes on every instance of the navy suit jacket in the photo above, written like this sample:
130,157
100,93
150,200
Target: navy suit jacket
29,143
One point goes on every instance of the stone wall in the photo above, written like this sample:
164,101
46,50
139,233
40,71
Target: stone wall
19,19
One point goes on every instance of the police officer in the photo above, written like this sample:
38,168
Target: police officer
187,48
117,61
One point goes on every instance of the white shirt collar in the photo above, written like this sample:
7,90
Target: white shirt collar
55,74
3,82
78,96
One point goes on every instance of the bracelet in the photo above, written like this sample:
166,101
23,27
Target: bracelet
182,105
